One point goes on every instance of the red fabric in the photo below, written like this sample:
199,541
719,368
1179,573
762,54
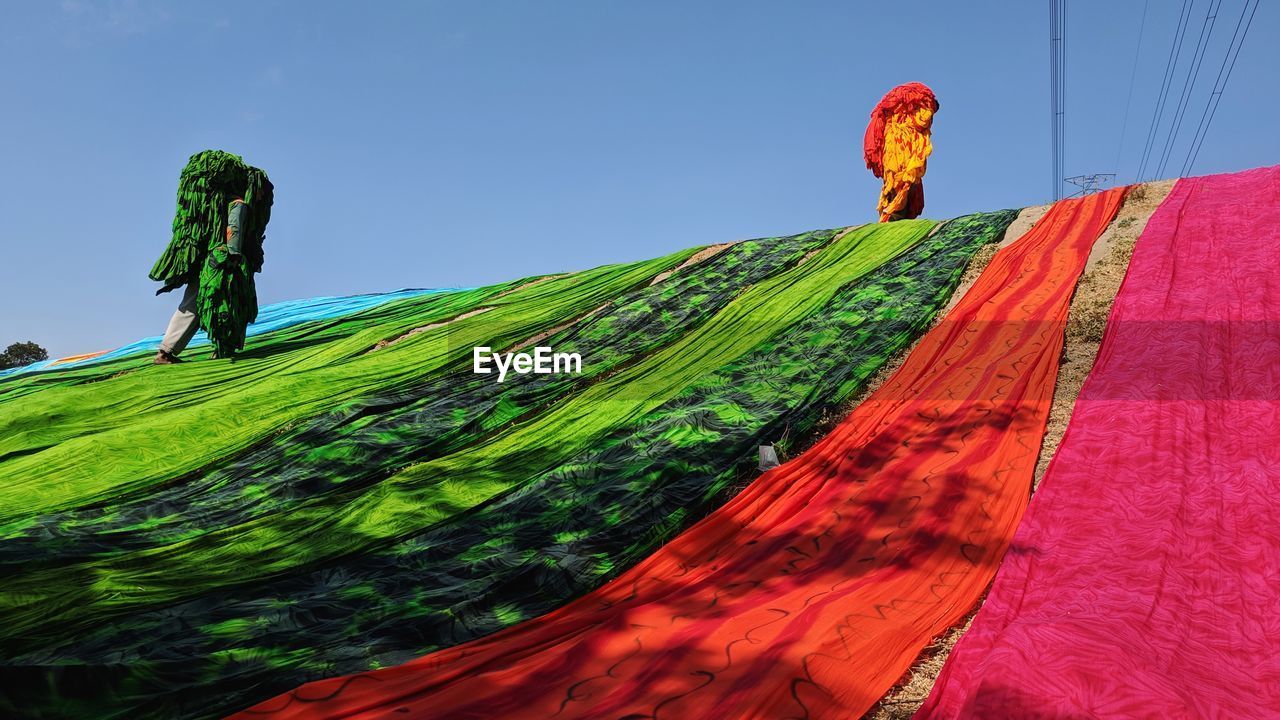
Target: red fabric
814,589
902,99
1145,580
915,202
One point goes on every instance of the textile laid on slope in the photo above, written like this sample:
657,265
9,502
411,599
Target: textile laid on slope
75,358
53,604
814,589
211,411
275,316
1143,581
536,548
377,436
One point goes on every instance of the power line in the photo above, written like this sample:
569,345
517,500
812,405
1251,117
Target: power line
1057,91
1219,84
1062,105
1170,66
1133,74
1053,99
1189,84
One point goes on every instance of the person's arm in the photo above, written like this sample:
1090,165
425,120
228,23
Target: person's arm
235,238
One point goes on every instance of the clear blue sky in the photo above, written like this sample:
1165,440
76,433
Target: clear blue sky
459,143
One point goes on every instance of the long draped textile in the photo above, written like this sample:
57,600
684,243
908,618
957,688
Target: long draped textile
1145,579
812,590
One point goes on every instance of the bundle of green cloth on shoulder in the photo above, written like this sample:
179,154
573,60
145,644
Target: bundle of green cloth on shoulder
216,187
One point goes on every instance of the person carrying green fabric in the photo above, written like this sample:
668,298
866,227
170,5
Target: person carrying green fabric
186,321
223,209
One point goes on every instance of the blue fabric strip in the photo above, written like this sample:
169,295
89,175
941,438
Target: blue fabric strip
270,317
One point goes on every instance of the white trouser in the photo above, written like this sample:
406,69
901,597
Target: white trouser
183,324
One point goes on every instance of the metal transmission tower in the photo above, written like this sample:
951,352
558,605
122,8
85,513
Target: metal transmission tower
1090,184
1057,88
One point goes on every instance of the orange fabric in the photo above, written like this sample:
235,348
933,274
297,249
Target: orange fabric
814,589
896,147
73,358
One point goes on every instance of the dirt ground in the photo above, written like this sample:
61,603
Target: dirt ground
1091,305
1086,321
694,259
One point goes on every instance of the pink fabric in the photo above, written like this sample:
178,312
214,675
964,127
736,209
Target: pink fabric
1144,580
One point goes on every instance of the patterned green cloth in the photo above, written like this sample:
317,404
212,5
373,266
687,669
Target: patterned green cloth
51,603
376,436
216,410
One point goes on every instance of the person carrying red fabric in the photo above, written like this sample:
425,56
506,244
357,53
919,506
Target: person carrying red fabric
896,148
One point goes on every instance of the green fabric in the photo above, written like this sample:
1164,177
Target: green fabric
378,435
56,602
161,423
228,298
564,531
206,185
